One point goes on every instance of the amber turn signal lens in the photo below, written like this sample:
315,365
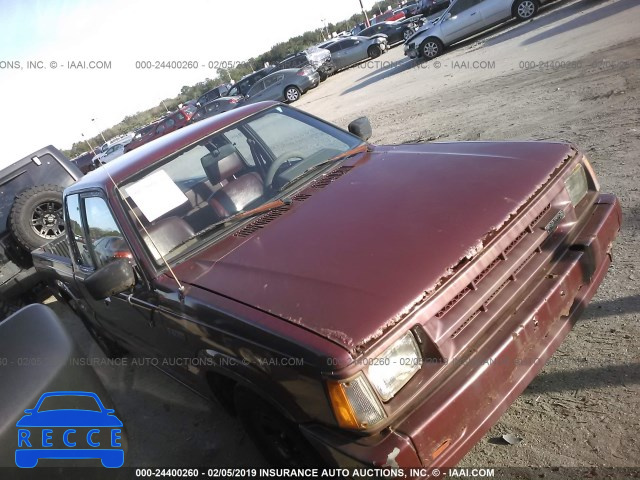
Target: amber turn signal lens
341,406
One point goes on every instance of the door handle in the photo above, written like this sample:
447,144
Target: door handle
473,14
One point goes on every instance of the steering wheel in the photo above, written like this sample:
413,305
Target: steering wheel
278,162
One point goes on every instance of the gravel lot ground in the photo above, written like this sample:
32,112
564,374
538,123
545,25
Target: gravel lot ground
583,409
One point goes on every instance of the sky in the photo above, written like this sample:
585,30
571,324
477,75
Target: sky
49,102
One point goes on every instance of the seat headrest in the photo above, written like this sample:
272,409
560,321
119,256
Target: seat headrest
222,163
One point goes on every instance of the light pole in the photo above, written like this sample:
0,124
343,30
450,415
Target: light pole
90,147
326,30
367,23
93,120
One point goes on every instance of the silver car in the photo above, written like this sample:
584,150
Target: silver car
110,154
463,19
351,50
283,86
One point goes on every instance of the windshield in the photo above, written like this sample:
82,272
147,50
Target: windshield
206,188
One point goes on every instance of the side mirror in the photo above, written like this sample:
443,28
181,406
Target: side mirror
361,127
115,277
447,16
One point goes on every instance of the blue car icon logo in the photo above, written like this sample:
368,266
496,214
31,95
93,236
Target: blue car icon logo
69,425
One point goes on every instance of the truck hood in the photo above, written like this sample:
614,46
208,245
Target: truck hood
349,256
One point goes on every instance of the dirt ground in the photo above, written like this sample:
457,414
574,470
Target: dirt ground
570,74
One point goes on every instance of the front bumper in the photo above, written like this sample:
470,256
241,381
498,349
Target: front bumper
461,409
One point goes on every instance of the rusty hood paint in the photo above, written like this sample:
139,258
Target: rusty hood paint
349,261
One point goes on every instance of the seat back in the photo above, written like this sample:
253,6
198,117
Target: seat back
167,234
222,164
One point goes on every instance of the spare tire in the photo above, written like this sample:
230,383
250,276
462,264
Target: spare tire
36,216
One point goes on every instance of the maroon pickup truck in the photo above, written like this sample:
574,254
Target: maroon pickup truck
354,304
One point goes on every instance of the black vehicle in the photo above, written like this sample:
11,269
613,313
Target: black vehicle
85,162
429,7
396,32
242,87
215,107
318,58
213,94
30,216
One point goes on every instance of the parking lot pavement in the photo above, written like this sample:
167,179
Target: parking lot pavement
571,74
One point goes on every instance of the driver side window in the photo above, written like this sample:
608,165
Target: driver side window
79,247
461,6
105,238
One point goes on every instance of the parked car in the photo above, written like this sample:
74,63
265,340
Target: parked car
213,94
463,19
30,216
141,136
326,43
188,111
242,87
112,153
318,58
357,29
430,7
122,140
167,124
216,107
257,263
396,32
388,16
109,154
411,9
349,51
84,162
283,85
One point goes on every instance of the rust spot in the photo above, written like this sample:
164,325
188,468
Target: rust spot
443,446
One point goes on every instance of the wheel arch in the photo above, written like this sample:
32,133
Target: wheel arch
223,381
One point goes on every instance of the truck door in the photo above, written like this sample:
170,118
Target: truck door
97,240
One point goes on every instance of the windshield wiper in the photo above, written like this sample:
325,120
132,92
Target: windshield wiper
342,156
267,207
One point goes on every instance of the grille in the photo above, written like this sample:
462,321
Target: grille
498,260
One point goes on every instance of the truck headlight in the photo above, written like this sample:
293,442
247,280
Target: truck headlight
395,367
577,185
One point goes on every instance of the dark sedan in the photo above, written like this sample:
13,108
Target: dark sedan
215,107
396,32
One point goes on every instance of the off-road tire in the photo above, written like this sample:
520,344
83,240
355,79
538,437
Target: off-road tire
36,216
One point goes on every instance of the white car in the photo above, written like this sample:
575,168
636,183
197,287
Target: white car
463,19
111,153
